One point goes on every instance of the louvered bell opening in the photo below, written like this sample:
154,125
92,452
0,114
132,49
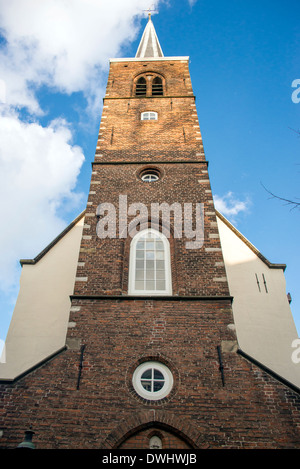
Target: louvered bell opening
157,87
140,89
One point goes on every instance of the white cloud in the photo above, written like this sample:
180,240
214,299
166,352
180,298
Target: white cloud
63,44
230,206
38,171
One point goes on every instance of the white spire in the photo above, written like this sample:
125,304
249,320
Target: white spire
149,45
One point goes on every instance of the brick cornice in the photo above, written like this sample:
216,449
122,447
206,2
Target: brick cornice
150,162
149,297
152,97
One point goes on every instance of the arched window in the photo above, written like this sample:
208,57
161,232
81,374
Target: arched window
149,84
157,87
155,442
150,267
149,116
141,87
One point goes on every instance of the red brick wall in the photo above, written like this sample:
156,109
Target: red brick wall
195,272
124,135
252,410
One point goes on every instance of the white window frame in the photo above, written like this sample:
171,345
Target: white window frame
152,395
150,177
146,116
155,442
132,263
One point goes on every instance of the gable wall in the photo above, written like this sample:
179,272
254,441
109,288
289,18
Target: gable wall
40,318
263,319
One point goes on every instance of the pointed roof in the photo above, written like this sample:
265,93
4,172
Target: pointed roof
149,45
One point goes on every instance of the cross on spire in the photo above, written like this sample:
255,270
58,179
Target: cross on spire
149,12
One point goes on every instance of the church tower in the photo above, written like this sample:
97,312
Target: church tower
151,301
151,354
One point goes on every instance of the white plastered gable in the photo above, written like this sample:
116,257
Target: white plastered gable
263,319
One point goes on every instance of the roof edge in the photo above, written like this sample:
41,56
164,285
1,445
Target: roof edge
50,245
34,367
272,373
271,265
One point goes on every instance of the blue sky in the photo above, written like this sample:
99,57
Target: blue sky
54,57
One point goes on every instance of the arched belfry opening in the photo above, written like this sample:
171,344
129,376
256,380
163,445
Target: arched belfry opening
150,84
141,87
157,87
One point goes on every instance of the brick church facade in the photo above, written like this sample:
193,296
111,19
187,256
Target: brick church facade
146,352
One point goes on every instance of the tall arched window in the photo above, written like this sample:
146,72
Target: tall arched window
141,87
150,266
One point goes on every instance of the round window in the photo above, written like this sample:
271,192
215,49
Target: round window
149,177
149,174
152,380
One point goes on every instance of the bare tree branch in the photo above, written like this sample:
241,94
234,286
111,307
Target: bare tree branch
288,202
296,131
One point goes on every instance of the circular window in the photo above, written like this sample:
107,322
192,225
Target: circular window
149,175
152,380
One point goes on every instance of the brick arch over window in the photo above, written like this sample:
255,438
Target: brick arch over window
176,433
149,84
169,438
